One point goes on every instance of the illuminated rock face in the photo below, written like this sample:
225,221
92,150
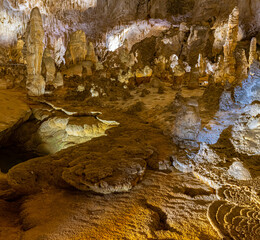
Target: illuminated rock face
34,43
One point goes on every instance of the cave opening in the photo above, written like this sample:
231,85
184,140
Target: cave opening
14,148
12,155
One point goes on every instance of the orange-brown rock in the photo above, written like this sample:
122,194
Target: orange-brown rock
77,48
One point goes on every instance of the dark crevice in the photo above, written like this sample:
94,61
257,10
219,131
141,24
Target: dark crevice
160,221
193,192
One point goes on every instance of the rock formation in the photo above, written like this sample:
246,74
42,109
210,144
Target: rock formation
252,51
187,123
201,65
49,69
241,64
77,48
34,45
230,46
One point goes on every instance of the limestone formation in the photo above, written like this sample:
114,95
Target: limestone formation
219,73
34,45
77,48
230,46
55,134
234,222
49,68
246,132
91,55
176,67
183,30
58,81
144,73
201,65
242,64
252,51
187,123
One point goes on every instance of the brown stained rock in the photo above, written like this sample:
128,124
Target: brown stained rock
58,81
201,65
157,208
77,48
91,55
114,163
49,68
14,111
9,220
198,42
110,175
252,51
242,64
218,77
35,45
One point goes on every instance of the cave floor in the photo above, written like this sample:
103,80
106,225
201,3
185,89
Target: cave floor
166,204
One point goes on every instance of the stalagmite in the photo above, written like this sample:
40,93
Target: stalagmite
201,65
219,73
35,45
230,46
49,66
77,48
91,56
242,64
252,51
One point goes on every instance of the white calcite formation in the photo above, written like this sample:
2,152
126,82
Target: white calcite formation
14,16
239,172
134,33
58,133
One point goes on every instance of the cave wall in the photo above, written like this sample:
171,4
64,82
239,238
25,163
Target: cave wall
96,16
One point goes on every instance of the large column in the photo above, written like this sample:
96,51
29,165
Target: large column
35,45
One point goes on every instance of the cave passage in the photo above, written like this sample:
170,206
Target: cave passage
13,155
